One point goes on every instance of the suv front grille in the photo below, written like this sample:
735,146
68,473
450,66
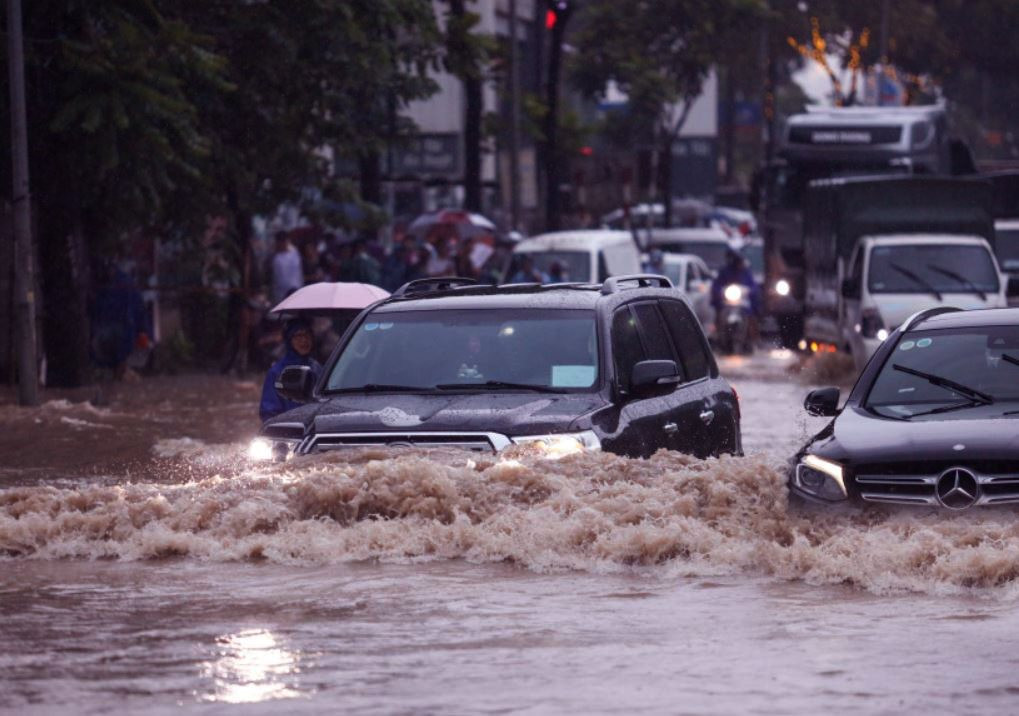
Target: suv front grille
921,489
474,442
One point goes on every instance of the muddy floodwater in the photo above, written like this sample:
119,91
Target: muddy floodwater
146,565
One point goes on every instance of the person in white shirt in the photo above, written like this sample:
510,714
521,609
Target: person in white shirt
287,273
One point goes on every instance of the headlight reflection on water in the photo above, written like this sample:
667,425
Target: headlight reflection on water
251,667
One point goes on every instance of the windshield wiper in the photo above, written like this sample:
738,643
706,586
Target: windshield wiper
377,388
941,409
948,384
1010,359
500,385
960,278
916,277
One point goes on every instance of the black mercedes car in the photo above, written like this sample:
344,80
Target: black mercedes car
622,366
933,420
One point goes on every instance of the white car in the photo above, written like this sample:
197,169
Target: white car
710,244
692,277
590,255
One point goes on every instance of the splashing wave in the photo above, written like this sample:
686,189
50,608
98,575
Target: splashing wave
594,512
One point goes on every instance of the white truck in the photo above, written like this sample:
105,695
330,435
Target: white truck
880,249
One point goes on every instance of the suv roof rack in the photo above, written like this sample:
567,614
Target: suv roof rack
424,285
643,280
923,315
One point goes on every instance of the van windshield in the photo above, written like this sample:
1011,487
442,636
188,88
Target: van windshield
553,266
941,268
477,349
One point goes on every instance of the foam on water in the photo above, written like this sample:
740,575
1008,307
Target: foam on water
597,512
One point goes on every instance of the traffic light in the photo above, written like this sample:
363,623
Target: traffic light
556,10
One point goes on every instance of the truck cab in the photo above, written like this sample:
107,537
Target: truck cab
892,277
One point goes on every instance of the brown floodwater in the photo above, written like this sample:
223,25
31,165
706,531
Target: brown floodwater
146,564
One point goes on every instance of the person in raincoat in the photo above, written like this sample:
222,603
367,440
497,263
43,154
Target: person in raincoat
300,341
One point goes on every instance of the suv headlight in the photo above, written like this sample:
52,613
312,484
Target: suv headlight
821,478
562,444
263,450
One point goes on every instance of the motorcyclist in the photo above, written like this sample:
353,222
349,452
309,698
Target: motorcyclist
736,272
300,341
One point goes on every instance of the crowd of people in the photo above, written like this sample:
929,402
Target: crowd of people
300,258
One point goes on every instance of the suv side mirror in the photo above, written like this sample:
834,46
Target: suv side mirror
850,288
295,383
649,375
823,402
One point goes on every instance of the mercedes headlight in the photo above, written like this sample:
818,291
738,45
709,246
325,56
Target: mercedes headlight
562,444
821,478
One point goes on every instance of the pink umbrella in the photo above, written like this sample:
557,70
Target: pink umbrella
331,297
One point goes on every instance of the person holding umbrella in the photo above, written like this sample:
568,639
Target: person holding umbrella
300,341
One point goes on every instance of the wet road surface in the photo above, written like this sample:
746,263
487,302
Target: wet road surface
147,567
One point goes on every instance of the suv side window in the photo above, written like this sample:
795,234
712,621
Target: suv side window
652,329
687,337
626,347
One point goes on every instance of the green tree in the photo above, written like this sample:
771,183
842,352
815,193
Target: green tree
658,52
466,57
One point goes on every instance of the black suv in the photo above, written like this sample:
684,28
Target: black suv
621,366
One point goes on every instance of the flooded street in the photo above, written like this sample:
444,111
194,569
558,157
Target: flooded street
147,566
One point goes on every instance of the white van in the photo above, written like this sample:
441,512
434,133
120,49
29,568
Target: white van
891,277
587,256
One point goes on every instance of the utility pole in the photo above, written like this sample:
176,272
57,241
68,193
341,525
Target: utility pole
24,271
514,89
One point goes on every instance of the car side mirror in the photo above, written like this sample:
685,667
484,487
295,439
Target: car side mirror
823,402
649,375
295,383
850,288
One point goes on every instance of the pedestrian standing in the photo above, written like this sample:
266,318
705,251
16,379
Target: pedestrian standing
286,269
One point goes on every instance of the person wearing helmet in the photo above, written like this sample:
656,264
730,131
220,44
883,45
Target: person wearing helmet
736,272
300,341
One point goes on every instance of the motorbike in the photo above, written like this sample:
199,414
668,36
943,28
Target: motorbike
733,321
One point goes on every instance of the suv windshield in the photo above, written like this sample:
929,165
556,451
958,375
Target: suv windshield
941,369
480,349
942,268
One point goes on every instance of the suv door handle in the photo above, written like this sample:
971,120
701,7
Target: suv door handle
670,428
707,417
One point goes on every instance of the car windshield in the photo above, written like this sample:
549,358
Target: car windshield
937,369
557,266
941,268
1007,245
481,349
711,252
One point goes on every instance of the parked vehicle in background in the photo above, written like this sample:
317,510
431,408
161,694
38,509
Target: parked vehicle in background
1006,244
710,244
930,423
838,142
620,366
692,277
880,249
578,256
